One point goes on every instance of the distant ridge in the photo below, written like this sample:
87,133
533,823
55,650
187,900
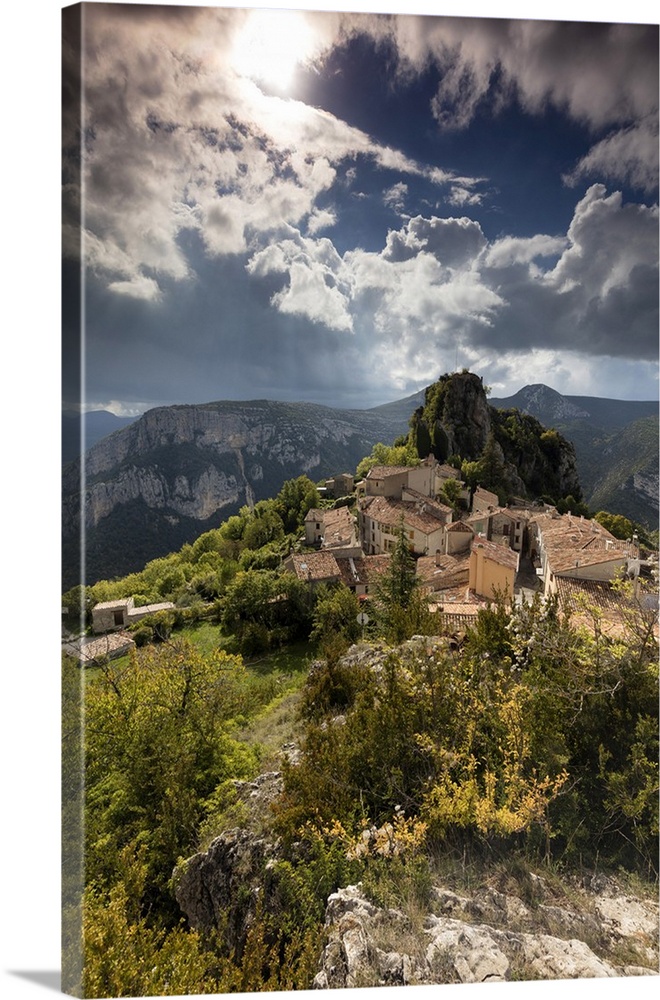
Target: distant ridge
616,444
98,424
547,405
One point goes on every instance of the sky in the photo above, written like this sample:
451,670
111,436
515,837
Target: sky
340,207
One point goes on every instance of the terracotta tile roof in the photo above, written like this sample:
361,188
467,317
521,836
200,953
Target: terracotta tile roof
385,471
362,571
500,554
337,525
615,609
89,650
112,605
448,471
570,542
149,609
440,510
443,572
315,566
341,515
460,526
459,601
388,512
493,512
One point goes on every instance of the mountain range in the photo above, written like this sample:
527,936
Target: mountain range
162,479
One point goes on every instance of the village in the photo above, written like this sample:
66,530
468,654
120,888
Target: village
466,561
467,555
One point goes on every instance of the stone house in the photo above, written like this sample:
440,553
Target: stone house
443,572
457,538
313,567
110,616
107,647
483,499
501,525
380,518
330,528
340,485
391,480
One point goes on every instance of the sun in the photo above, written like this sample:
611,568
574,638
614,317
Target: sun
270,45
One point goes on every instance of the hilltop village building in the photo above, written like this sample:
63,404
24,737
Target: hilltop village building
462,564
564,546
111,616
331,529
359,573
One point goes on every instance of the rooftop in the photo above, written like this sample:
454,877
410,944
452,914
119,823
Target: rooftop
571,541
362,571
385,471
500,554
312,566
586,600
441,572
389,512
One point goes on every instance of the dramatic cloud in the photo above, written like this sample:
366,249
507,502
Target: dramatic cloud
319,222
178,140
314,290
630,154
454,242
599,74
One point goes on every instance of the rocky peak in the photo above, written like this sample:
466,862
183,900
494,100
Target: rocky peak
547,405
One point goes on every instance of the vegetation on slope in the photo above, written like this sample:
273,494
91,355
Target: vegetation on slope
531,738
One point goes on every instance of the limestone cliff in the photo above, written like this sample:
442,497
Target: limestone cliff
179,470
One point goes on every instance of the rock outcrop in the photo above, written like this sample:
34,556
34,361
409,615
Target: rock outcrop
517,926
488,936
519,457
221,887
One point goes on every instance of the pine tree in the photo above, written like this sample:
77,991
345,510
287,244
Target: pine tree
398,584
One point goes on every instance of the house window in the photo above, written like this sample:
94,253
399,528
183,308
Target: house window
505,529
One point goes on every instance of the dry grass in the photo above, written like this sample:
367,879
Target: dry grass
273,728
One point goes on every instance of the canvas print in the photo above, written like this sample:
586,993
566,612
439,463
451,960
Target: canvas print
359,500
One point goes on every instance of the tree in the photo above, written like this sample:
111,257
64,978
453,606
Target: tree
451,493
382,454
616,524
491,466
156,747
335,614
395,589
295,499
